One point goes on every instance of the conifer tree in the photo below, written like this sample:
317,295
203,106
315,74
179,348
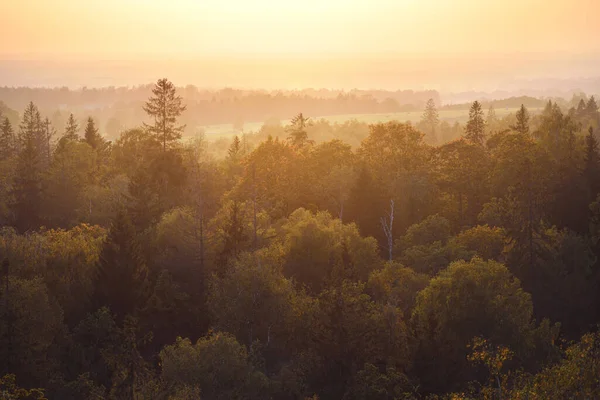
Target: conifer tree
122,272
164,107
592,107
234,150
431,120
48,132
298,137
8,144
71,129
31,125
592,164
91,135
27,188
522,125
475,129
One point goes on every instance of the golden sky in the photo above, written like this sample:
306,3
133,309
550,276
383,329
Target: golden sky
195,28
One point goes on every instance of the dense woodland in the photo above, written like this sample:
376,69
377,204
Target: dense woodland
398,262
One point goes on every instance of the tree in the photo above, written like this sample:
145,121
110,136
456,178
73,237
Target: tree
65,181
164,107
522,125
71,129
217,365
233,153
8,143
122,272
492,121
446,320
35,329
475,129
591,107
91,135
27,188
320,250
253,300
297,131
30,124
431,120
354,331
48,133
591,169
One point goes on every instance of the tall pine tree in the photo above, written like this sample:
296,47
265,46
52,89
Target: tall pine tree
91,135
475,129
522,125
431,120
71,129
8,142
164,107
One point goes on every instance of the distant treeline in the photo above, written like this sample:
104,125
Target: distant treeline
119,107
517,101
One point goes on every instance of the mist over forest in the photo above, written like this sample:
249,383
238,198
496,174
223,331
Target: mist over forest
317,200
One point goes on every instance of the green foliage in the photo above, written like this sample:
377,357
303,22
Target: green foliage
27,188
32,325
253,301
574,377
475,129
9,390
66,183
121,281
217,365
468,299
354,331
432,229
487,242
277,244
396,285
319,249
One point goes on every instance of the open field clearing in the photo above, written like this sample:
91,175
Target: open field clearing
218,131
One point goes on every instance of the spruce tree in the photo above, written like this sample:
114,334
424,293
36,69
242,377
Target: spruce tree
31,126
27,188
298,137
233,153
591,170
91,135
71,129
48,132
475,129
522,125
592,107
431,120
164,107
8,144
122,273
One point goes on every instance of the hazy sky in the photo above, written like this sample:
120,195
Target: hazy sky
193,28
443,44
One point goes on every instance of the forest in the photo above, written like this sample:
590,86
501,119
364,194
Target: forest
308,260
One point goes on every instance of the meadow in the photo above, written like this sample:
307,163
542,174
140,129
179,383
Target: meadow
214,132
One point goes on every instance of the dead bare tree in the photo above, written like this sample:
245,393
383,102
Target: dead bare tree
387,224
